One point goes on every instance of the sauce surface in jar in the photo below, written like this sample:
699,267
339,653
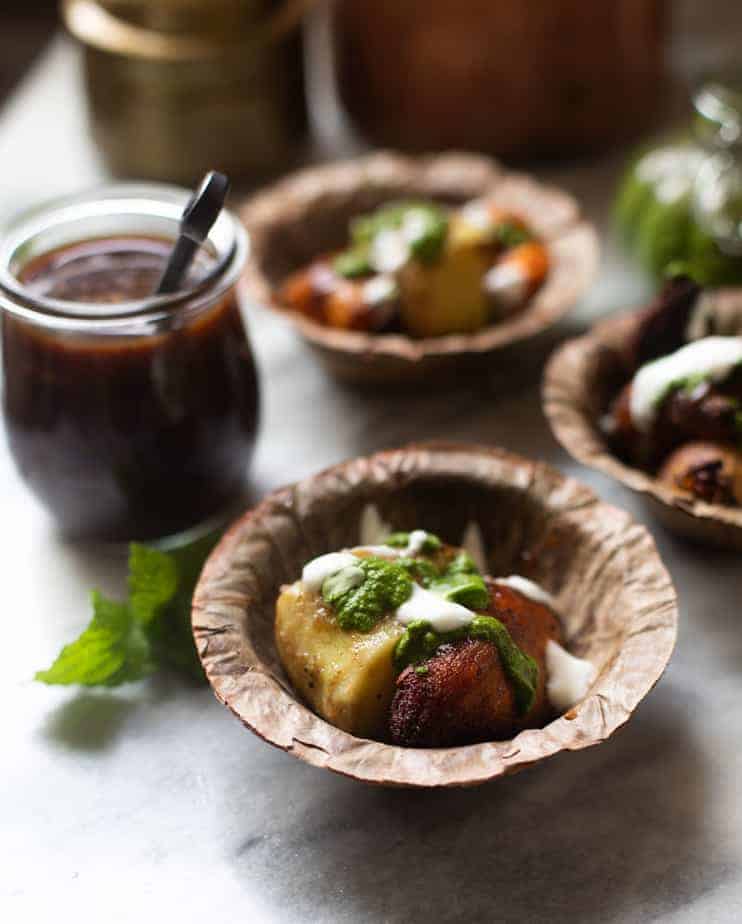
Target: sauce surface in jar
138,433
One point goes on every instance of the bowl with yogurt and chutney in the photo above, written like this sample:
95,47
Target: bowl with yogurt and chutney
399,270
437,615
654,399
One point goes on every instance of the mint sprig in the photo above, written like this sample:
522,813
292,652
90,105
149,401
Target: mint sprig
127,641
112,650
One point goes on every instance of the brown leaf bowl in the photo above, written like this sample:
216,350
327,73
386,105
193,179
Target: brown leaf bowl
580,379
616,598
307,214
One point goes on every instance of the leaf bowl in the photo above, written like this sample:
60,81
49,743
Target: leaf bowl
307,214
617,601
580,380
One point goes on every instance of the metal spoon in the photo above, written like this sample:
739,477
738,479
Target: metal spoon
199,215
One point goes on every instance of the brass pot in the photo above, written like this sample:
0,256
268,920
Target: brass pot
514,78
176,87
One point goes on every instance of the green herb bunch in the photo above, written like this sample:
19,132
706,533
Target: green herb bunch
128,640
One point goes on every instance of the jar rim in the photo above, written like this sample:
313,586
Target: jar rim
154,201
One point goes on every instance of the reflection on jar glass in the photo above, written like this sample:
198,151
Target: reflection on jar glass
128,415
717,194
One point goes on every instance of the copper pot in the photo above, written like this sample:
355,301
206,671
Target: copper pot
176,87
514,78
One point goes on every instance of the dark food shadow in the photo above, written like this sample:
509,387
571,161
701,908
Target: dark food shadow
88,721
591,836
93,720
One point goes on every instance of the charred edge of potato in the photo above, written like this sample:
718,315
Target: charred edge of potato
707,471
465,696
707,414
663,324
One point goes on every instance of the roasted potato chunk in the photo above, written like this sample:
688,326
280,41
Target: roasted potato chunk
708,471
320,293
465,696
447,297
664,323
347,677
707,413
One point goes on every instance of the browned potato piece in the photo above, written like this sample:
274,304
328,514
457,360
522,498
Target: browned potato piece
709,471
307,290
323,295
465,695
708,413
446,297
664,323
347,677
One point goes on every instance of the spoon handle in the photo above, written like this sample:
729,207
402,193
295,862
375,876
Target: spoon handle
199,215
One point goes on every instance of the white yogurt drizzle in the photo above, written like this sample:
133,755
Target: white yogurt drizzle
390,250
713,358
507,283
529,589
415,543
568,677
315,573
442,614
476,214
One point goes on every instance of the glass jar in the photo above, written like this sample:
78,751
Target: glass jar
129,415
717,192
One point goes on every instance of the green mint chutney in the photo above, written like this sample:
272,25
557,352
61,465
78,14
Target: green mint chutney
363,594
419,643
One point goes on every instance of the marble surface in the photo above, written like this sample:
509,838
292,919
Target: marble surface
151,803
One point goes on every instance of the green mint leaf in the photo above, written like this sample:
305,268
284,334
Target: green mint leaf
171,641
110,651
153,582
127,641
170,634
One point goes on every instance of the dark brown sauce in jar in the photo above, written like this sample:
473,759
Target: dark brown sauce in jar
134,434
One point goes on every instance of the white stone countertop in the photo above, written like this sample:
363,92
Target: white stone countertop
152,803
